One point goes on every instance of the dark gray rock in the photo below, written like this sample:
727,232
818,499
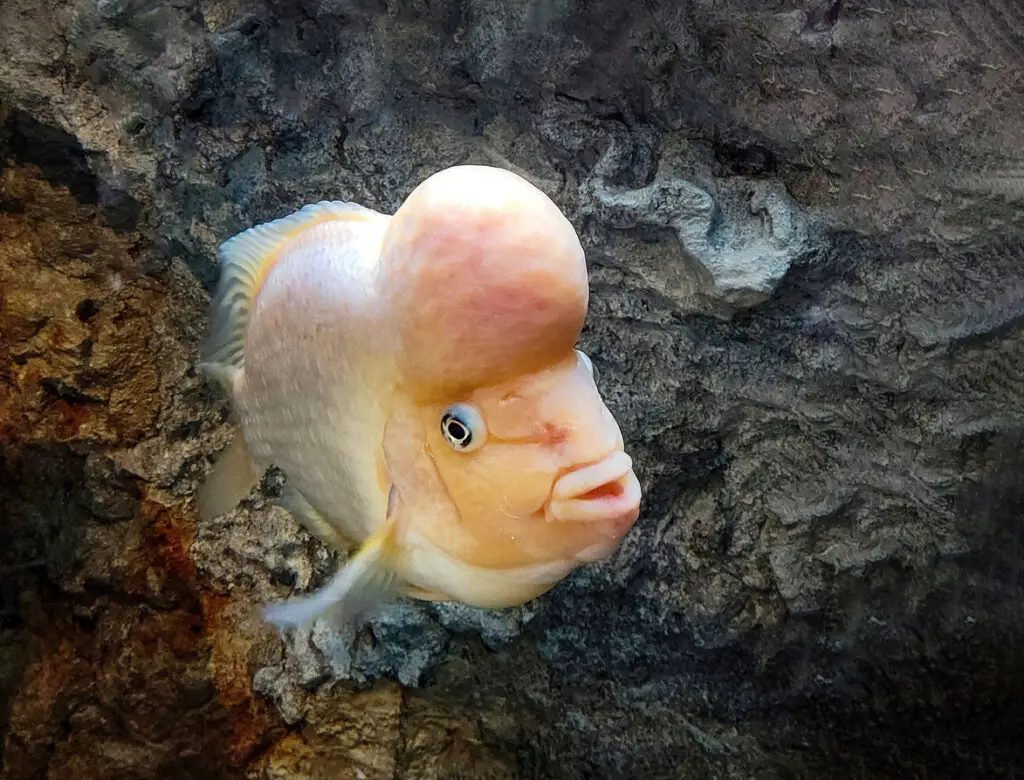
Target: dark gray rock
804,227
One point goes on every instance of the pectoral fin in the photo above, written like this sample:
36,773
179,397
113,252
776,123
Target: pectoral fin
366,581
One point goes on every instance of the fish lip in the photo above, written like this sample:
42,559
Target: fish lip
591,477
615,512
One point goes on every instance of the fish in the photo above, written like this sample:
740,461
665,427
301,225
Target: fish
417,378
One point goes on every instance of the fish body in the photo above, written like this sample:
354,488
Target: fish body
417,380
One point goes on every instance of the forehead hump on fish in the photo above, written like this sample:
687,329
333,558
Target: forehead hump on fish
485,277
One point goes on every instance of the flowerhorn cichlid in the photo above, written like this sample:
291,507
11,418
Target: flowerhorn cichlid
416,379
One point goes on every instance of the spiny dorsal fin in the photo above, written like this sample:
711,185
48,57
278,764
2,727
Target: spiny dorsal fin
245,261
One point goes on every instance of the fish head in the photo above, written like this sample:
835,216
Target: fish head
539,460
506,455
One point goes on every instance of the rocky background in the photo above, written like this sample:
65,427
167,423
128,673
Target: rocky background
804,226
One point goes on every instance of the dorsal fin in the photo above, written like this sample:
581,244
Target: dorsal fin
245,261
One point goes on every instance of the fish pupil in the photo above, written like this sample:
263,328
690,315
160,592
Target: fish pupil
456,431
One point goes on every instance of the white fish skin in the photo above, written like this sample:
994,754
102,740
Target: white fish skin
304,361
309,397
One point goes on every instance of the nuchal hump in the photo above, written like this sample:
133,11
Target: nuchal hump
486,279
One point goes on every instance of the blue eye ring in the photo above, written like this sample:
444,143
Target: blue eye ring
463,427
588,363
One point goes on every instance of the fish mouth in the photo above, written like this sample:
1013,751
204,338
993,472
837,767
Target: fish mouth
606,492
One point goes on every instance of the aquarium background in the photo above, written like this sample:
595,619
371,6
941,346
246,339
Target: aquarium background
803,222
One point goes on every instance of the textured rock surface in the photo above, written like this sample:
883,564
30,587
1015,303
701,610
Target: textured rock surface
806,322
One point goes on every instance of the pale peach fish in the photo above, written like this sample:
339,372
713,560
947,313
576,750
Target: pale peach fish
417,380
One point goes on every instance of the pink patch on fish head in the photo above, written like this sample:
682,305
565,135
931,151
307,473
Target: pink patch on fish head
484,277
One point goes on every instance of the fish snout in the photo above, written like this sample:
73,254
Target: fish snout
606,493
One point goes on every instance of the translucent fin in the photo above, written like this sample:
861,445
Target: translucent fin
245,261
366,581
230,480
310,519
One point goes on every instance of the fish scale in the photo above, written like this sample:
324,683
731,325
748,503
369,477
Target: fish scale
325,449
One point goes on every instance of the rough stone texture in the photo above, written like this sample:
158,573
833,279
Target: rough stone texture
807,296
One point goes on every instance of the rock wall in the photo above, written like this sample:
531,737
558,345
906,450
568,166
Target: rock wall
804,228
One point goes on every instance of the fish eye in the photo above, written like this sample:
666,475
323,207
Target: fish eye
463,427
588,363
